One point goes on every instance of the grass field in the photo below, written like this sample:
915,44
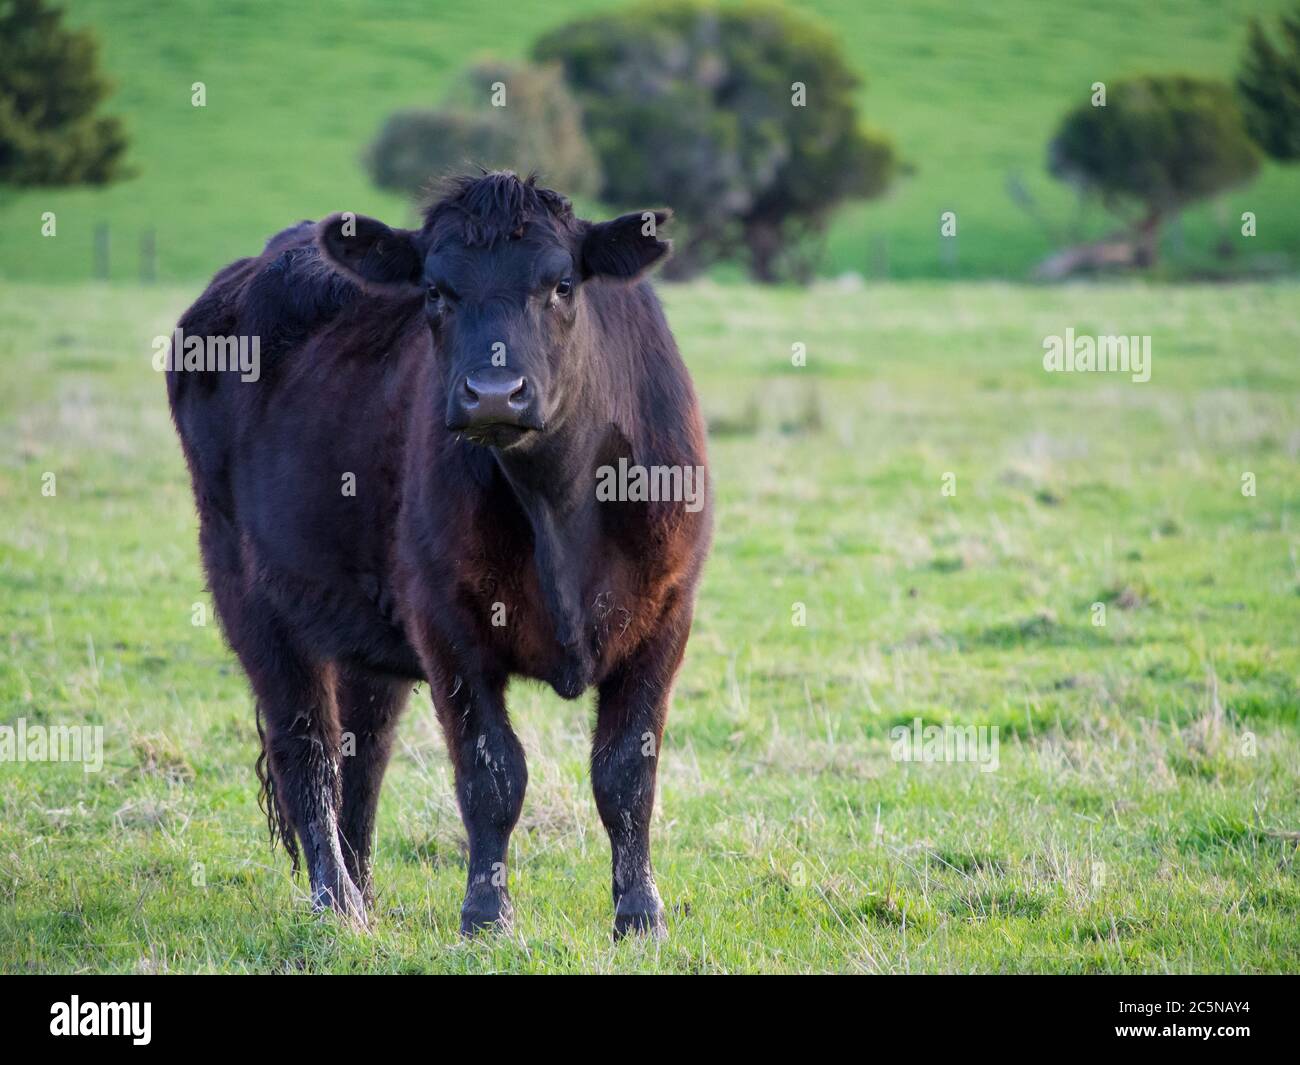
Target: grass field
1144,813
295,89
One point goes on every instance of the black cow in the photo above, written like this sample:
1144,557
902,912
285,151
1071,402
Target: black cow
417,485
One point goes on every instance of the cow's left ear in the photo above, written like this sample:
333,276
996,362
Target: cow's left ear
625,247
370,251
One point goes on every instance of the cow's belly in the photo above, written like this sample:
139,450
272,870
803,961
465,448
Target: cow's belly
341,619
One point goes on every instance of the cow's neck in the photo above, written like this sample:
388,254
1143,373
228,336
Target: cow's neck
554,482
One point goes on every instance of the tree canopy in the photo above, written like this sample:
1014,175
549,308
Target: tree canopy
50,88
1160,143
535,124
1268,85
743,116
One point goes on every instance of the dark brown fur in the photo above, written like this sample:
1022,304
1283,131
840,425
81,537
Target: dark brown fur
334,603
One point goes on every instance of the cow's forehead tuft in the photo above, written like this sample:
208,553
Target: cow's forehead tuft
496,206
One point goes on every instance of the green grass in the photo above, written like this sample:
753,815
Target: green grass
1143,816
295,89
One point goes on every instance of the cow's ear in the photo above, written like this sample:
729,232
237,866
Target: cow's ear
369,251
625,247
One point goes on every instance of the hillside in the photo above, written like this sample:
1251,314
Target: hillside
970,95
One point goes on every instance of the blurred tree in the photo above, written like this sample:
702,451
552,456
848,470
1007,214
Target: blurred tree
50,86
1268,85
536,127
1160,143
741,117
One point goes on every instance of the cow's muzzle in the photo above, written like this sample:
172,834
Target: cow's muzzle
494,406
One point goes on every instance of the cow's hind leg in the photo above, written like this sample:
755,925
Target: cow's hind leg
295,698
490,780
630,716
297,718
369,706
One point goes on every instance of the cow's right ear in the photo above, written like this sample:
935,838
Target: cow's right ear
369,251
626,247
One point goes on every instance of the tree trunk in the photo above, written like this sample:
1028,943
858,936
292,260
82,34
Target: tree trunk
763,239
688,260
1117,251
1148,240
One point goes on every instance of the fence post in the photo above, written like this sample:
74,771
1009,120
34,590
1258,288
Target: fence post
1177,239
880,256
101,251
148,256
948,252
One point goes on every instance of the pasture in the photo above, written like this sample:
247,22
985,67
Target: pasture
1143,815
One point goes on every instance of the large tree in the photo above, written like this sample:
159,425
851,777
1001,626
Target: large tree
1268,85
1158,144
50,88
742,117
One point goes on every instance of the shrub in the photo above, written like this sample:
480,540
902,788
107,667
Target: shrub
538,128
693,104
1160,144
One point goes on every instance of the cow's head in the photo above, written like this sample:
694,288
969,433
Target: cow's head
503,265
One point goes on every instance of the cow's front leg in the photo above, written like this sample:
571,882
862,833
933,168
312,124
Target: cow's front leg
631,713
491,776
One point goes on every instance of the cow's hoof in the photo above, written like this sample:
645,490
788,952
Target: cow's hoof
643,915
487,911
341,897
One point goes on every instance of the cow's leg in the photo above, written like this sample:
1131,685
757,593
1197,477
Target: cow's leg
490,780
296,699
369,706
297,716
630,717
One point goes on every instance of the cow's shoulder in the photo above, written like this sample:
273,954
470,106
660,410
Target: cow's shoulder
294,292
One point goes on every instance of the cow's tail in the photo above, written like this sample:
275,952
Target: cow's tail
278,826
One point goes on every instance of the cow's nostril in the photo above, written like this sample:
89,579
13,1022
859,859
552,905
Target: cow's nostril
489,398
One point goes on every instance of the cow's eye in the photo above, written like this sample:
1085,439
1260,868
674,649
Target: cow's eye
433,294
565,287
